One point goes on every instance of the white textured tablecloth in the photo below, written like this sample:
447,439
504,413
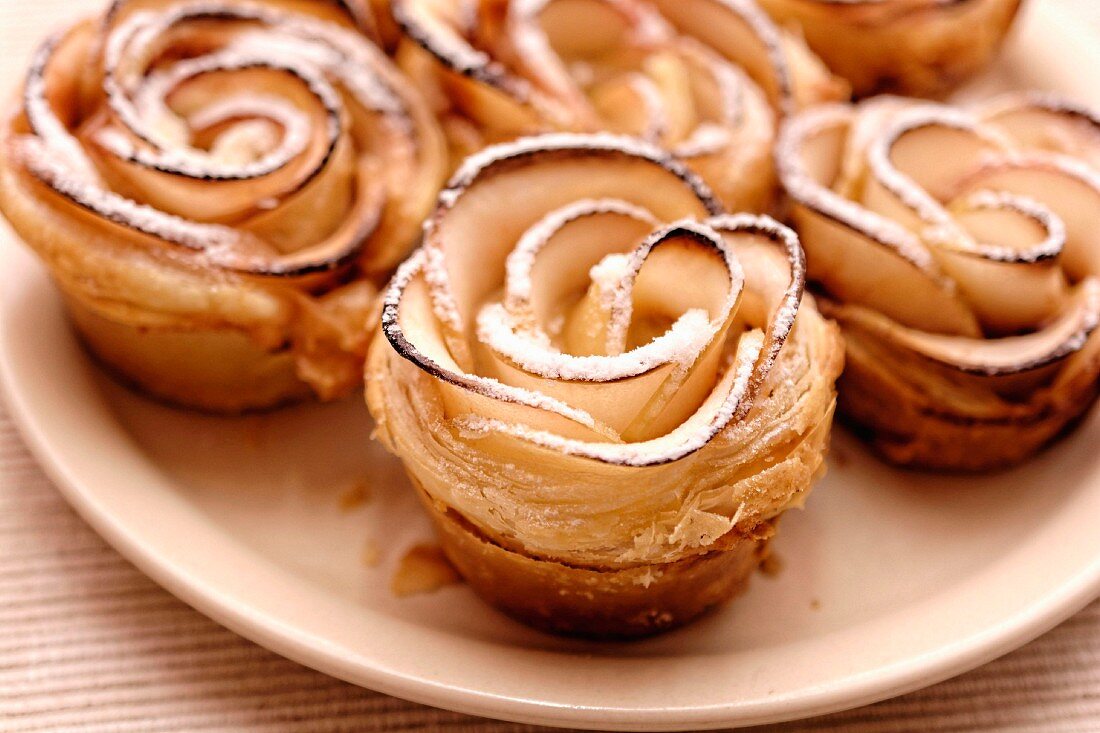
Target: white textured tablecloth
89,643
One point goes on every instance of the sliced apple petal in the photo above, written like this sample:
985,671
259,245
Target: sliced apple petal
1007,264
672,78
860,256
630,104
720,406
1019,363
577,168
551,263
1046,121
774,267
410,325
737,29
916,162
1068,188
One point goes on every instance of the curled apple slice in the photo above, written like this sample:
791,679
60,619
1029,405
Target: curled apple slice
501,70
594,375
778,61
1045,121
1002,217
859,255
243,170
1070,190
563,341
1008,261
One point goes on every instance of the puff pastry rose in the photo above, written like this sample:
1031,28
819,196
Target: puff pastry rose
915,47
960,251
702,78
605,390
216,187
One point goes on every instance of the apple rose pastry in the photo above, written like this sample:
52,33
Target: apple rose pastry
960,252
500,69
915,47
217,188
605,390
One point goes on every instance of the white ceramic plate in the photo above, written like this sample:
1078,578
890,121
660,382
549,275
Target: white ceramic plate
892,580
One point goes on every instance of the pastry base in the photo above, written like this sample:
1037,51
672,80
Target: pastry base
216,370
588,602
910,433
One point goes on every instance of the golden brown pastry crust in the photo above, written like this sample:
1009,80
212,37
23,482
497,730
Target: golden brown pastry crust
217,206
910,428
959,253
558,465
217,372
921,48
599,602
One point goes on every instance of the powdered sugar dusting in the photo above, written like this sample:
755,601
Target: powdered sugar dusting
688,437
806,191
263,132
502,328
680,345
522,259
606,275
45,164
45,124
995,158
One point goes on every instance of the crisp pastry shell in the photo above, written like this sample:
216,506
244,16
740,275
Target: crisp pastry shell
216,370
600,602
910,428
604,599
181,361
571,502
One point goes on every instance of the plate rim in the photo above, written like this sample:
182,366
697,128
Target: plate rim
268,631
898,678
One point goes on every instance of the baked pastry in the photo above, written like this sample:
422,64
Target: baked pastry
914,47
218,187
702,78
959,252
604,450
376,21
